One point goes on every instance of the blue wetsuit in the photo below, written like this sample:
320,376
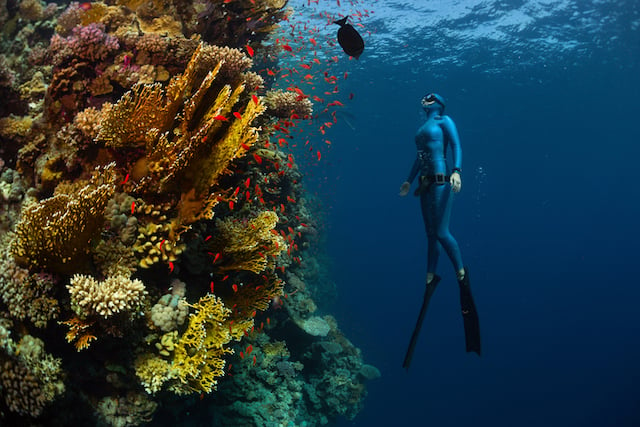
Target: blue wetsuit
432,140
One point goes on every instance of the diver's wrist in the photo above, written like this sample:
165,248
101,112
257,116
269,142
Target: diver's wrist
456,170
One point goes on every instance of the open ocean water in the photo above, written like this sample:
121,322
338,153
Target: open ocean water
545,96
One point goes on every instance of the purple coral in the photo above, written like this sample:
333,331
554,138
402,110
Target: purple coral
90,42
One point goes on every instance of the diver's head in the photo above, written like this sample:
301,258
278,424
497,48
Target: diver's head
433,102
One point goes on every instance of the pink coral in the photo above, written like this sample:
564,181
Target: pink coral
90,43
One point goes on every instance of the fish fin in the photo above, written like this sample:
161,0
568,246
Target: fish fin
342,21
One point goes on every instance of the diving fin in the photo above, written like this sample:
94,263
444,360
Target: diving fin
469,315
430,289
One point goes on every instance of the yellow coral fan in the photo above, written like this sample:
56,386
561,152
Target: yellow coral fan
127,122
192,131
252,246
249,299
189,132
55,234
198,355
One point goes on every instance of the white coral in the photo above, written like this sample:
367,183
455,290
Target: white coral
114,295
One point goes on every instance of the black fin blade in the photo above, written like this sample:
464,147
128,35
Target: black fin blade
430,289
469,316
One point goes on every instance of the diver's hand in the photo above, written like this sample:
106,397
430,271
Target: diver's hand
404,188
456,182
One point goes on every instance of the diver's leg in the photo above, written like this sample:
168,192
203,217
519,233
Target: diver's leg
429,216
444,201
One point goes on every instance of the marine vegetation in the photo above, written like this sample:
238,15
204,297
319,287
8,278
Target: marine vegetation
157,247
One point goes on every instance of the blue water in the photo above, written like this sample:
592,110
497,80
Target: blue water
547,222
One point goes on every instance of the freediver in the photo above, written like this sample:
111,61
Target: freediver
435,189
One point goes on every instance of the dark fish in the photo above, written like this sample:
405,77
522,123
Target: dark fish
350,41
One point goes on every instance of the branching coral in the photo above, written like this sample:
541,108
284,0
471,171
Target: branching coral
114,295
55,233
284,104
85,42
80,332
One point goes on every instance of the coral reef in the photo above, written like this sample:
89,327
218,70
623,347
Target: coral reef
155,236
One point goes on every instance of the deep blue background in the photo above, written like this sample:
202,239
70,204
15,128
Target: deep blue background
547,222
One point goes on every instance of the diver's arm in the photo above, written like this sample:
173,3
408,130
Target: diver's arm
406,186
414,170
453,138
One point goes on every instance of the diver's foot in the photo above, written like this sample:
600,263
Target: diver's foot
461,275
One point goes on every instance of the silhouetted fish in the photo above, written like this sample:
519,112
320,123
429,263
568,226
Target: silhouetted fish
349,39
